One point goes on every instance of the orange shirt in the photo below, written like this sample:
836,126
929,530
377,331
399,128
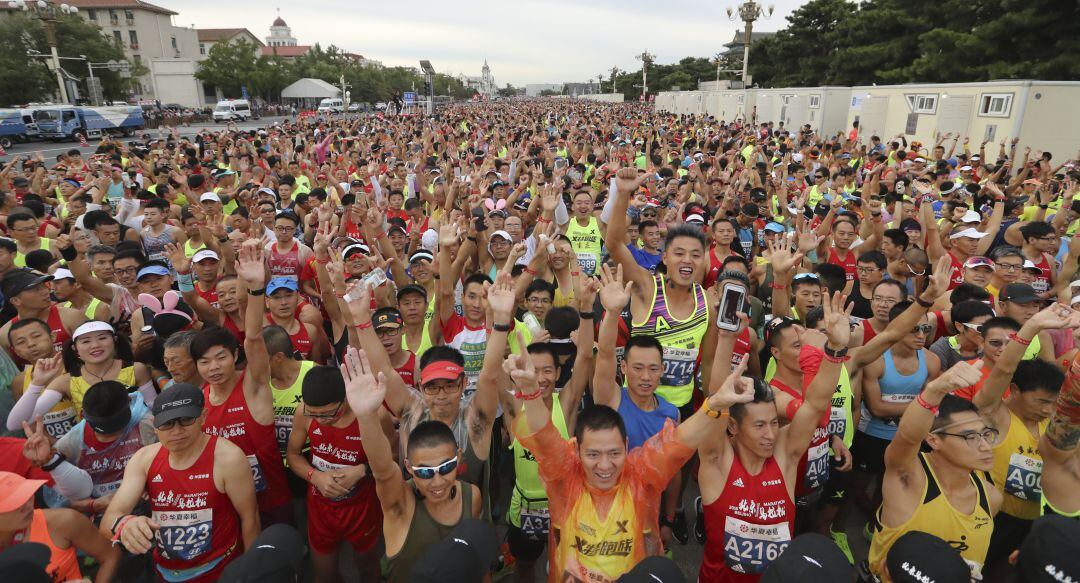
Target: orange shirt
595,535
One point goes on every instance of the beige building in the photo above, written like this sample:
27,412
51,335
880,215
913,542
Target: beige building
208,37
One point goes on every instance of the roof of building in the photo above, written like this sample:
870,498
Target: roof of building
220,34
308,88
279,22
740,37
129,4
293,51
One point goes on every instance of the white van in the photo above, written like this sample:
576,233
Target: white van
232,110
331,105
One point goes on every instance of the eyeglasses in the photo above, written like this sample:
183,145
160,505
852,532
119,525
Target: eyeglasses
542,301
997,343
385,332
989,435
432,390
922,329
25,230
867,270
126,271
1009,266
330,415
428,472
182,422
887,302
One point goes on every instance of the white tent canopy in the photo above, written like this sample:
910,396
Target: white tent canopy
310,89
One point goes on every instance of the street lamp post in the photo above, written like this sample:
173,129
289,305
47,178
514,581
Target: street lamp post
748,12
48,13
645,57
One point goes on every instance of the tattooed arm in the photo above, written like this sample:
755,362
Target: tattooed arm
1062,435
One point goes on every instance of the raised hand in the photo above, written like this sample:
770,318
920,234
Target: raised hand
586,294
37,448
939,279
363,390
627,180
782,258
960,375
1053,317
501,297
177,257
47,369
249,264
520,369
735,389
614,294
809,239
448,235
837,319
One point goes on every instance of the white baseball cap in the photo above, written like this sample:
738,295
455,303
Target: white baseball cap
209,196
62,273
971,217
205,254
968,232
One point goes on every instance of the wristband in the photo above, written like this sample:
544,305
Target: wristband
529,396
257,292
531,272
223,240
923,303
471,238
586,315
922,403
542,221
775,285
829,352
502,327
69,253
363,325
1044,206
1016,338
713,412
322,261
118,527
185,282
380,235
57,459
310,472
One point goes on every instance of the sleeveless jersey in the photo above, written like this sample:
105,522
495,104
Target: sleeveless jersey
286,400
841,411
56,326
587,548
528,501
333,448
642,424
956,276
895,388
228,324
301,340
848,262
154,245
681,340
20,258
742,348
78,385
233,421
209,295
587,242
1048,508
91,308
105,461
200,529
814,464
61,418
190,250
968,533
63,563
407,371
1017,470
285,264
1041,283
423,532
748,526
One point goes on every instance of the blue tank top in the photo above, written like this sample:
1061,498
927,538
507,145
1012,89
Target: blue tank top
895,388
640,424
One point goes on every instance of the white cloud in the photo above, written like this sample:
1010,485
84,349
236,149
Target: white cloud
524,41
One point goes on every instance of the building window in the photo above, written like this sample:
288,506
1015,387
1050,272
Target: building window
129,15
113,16
119,40
133,38
174,45
995,104
202,49
815,102
92,14
923,103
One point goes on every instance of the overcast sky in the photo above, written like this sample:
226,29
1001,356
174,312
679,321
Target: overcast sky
524,41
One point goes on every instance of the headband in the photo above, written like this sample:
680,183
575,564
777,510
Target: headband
92,326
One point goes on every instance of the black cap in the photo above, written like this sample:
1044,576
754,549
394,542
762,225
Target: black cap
920,557
910,225
386,318
1019,293
657,569
176,402
821,209
465,555
20,280
25,563
412,288
1049,552
274,557
810,557
750,209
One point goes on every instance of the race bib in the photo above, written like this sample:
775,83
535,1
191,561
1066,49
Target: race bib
58,423
817,465
838,421
184,535
102,490
750,548
679,366
257,473
587,261
535,521
1023,479
282,429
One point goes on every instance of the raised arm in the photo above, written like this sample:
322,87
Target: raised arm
614,295
502,302
989,398
626,184
251,269
570,397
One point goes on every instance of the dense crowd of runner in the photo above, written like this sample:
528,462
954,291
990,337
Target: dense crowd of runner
525,332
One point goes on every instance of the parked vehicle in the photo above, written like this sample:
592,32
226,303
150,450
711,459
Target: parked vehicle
354,107
12,127
68,122
331,105
232,110
380,106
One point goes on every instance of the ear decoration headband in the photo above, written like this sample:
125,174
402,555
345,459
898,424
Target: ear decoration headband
167,306
491,205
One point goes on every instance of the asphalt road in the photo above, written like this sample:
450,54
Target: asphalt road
50,149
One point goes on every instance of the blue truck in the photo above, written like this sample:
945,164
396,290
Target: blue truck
12,127
70,122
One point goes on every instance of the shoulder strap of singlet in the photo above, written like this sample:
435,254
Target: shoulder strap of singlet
984,501
932,488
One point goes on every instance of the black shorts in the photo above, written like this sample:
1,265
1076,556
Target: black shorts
524,548
835,488
868,453
1009,533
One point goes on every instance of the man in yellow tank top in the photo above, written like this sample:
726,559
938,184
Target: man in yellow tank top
940,492
1061,456
1033,387
585,233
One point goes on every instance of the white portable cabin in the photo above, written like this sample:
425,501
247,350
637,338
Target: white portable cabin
824,108
1040,113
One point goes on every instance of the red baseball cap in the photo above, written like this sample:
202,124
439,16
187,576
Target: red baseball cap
15,490
440,370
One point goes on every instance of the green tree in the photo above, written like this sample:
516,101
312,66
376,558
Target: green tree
230,65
